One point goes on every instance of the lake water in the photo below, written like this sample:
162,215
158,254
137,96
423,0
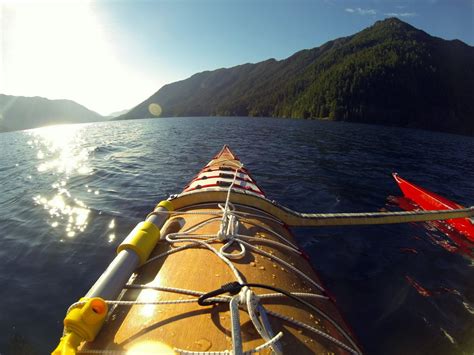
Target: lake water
70,194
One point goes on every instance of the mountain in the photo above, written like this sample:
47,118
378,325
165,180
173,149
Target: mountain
18,112
390,73
118,113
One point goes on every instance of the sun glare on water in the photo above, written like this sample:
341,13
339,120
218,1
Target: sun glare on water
60,152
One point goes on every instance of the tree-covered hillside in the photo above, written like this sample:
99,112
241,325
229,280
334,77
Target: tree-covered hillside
390,73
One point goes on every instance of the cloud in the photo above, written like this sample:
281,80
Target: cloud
361,11
400,14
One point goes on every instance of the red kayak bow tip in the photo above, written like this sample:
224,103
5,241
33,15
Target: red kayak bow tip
224,170
430,201
227,152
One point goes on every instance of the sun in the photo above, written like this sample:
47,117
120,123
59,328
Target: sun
60,49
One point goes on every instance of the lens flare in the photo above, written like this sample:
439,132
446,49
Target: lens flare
155,109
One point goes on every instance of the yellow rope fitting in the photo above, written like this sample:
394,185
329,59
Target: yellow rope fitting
68,345
82,324
142,240
165,204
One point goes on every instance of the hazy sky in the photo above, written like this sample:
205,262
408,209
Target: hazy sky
112,54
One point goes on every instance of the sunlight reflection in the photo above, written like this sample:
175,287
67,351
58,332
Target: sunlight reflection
150,347
149,296
74,217
111,237
112,226
60,153
63,142
468,307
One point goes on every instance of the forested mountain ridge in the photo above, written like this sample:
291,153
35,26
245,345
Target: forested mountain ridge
390,73
19,112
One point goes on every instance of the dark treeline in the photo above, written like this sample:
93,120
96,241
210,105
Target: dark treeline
390,73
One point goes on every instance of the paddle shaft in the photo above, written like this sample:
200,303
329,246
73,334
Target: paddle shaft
298,219
114,278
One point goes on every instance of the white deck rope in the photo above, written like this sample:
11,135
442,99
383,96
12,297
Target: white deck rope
258,317
200,293
237,347
259,213
317,331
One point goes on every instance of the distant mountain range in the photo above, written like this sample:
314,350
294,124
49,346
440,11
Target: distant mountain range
118,113
18,112
390,73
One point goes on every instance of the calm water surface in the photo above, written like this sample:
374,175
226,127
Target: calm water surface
70,194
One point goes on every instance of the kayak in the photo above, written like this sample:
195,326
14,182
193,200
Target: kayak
213,269
428,200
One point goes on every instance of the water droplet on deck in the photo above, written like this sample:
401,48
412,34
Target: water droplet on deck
203,344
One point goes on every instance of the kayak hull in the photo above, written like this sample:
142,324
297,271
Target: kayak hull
428,200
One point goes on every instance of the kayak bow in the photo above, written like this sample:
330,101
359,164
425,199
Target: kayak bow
428,200
214,271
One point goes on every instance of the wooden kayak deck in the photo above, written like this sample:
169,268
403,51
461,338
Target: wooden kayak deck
207,328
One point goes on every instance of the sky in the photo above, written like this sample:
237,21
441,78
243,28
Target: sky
110,55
